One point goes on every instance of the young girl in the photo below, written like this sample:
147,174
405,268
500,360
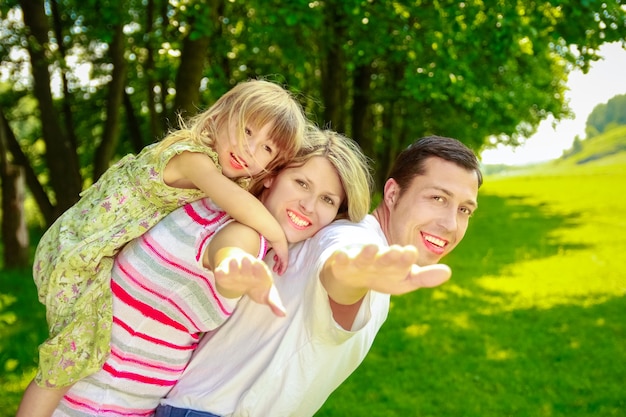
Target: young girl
164,298
256,126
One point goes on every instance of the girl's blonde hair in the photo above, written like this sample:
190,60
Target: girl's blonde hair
347,158
254,103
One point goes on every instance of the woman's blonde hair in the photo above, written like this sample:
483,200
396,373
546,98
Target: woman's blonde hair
347,158
255,103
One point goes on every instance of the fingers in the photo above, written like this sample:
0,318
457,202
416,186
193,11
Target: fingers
430,276
372,256
281,259
275,303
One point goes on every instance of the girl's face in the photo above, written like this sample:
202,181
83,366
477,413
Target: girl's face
256,152
304,199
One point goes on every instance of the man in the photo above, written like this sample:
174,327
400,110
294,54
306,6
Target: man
336,294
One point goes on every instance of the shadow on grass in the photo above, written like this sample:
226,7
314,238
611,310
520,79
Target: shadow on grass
462,351
568,361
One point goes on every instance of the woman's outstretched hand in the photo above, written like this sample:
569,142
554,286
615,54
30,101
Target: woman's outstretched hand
247,275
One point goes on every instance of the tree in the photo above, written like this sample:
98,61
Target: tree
109,78
606,116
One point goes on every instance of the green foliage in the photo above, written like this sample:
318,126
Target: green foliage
471,70
604,149
606,116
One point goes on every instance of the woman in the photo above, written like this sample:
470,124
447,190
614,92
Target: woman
163,299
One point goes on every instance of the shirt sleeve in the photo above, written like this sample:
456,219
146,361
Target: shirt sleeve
318,314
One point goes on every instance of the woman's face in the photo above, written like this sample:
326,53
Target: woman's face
304,199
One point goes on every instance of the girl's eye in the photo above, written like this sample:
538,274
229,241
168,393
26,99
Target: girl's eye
302,184
328,200
438,198
268,149
248,131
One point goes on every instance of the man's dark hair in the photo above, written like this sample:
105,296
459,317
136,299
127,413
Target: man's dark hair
410,162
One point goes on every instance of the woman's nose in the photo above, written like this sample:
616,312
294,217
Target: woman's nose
307,203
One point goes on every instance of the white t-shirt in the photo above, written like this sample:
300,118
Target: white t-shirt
261,365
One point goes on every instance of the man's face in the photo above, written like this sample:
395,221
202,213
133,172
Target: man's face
433,212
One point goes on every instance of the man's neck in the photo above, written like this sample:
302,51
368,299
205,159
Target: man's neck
381,214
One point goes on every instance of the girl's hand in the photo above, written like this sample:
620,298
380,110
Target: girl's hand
245,274
281,257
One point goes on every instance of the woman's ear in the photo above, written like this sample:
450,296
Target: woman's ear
267,183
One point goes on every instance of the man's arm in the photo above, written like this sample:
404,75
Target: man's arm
391,270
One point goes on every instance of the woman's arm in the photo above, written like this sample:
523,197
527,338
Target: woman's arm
231,255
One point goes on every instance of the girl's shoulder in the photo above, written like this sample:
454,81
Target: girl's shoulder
158,156
188,146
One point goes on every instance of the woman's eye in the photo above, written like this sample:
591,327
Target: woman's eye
328,200
301,183
248,131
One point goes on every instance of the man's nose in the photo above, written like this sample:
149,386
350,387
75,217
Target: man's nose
448,219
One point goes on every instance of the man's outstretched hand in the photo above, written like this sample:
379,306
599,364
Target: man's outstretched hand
390,270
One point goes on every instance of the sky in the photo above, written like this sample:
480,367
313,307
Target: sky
604,80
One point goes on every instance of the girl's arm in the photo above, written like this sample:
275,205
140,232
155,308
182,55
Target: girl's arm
231,255
197,170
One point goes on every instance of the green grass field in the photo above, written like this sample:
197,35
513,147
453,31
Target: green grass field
532,324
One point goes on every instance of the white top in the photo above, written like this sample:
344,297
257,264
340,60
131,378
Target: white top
261,365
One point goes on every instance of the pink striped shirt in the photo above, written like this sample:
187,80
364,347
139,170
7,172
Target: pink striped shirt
163,300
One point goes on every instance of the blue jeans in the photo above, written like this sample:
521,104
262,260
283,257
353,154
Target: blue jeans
169,411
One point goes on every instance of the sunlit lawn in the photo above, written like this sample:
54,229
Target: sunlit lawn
532,324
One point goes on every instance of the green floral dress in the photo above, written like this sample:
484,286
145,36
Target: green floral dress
73,262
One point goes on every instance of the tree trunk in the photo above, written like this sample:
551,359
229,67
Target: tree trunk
14,230
333,69
10,144
110,135
360,105
189,75
61,157
68,119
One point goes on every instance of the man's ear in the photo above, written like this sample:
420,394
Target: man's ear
391,192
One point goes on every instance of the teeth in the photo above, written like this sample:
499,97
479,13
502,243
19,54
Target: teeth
297,220
435,241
